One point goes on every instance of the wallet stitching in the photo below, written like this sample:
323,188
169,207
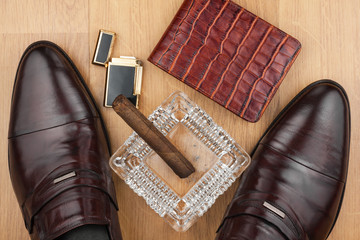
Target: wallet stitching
268,66
177,30
216,19
251,27
241,77
187,40
285,71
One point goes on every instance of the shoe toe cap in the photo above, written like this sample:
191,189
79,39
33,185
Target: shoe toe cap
315,130
47,91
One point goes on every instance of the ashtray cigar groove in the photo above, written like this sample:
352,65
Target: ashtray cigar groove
153,137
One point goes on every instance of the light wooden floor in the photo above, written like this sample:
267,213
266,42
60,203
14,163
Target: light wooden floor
329,31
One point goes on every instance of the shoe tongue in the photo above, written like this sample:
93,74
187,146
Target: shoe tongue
249,227
71,209
270,209
66,191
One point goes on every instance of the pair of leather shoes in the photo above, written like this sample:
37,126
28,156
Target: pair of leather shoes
58,154
59,151
294,187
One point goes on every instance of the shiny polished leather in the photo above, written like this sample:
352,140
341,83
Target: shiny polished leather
55,130
227,53
299,167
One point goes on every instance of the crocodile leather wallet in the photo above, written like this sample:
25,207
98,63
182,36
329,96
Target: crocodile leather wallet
227,53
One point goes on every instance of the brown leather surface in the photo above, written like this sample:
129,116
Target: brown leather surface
227,53
299,167
54,130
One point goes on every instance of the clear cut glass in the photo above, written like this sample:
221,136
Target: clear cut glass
217,158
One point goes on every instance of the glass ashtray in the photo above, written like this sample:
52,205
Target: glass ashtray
217,158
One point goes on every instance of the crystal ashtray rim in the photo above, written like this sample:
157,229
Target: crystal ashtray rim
194,206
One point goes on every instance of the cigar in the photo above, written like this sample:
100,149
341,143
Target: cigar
153,137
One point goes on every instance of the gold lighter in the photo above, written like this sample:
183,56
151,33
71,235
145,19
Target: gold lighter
104,47
123,76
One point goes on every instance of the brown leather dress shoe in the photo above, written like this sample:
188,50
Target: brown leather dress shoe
58,148
295,184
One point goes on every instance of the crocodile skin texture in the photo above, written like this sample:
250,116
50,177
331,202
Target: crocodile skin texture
227,53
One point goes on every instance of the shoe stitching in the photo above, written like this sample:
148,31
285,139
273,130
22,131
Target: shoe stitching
250,203
282,154
40,130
